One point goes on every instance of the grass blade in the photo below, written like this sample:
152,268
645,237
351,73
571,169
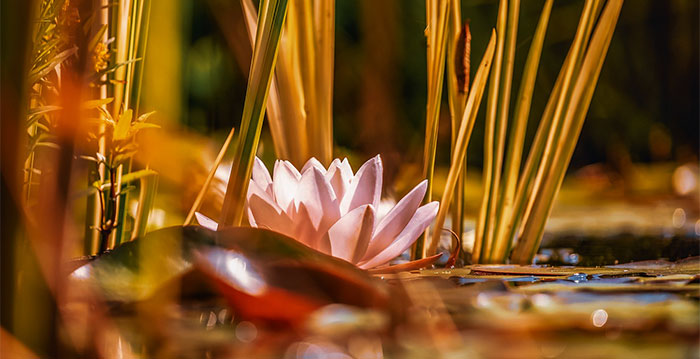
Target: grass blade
324,12
482,245
306,67
550,126
502,124
147,195
458,57
270,21
436,15
516,136
581,96
465,130
210,176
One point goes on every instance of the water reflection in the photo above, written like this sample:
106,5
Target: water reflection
315,349
599,318
246,332
679,217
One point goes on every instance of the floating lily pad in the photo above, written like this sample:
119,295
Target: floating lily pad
263,274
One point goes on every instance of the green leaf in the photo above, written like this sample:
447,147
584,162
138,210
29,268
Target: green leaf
138,126
42,127
121,130
436,52
137,175
271,263
516,138
271,19
47,145
147,194
112,68
88,105
36,111
145,116
89,158
466,126
95,39
580,96
127,178
46,68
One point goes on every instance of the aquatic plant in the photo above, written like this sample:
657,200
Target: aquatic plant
515,204
117,48
335,210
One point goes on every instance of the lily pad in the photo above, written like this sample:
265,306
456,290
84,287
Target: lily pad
262,274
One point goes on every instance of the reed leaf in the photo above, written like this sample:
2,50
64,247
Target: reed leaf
148,188
127,178
516,136
437,15
467,125
286,102
210,176
324,15
301,12
458,67
274,111
482,244
556,107
581,95
502,124
270,20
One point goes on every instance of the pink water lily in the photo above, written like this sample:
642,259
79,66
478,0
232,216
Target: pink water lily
335,210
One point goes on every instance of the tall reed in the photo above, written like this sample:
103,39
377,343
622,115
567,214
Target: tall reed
437,17
270,20
300,103
515,204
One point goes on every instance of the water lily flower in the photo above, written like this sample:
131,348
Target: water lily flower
335,210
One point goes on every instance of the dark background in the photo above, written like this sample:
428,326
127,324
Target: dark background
645,108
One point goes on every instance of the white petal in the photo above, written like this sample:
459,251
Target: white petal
317,194
206,222
251,217
267,215
261,176
285,182
313,162
255,189
365,187
305,232
396,220
420,221
350,236
339,176
345,164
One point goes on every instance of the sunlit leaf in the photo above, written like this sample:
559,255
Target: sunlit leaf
88,105
270,21
121,130
250,267
467,125
36,111
45,69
